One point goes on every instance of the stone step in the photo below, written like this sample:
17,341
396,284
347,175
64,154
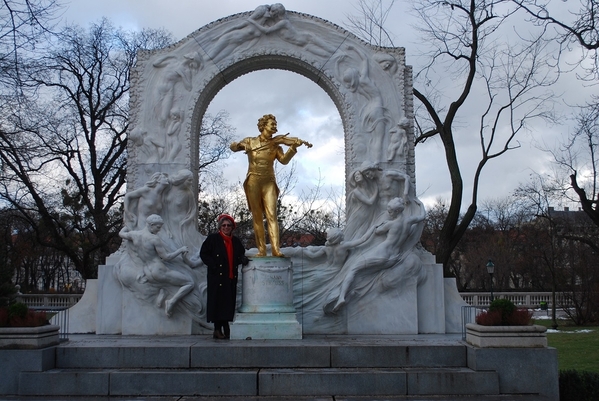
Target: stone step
258,382
504,397
255,354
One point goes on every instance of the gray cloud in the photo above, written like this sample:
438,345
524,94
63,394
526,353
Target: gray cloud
303,109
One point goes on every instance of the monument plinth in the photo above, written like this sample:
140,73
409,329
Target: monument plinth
267,310
373,277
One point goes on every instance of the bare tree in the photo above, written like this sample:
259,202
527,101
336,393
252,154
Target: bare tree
537,196
23,25
215,136
369,21
578,159
569,25
576,26
310,213
495,75
7,268
64,141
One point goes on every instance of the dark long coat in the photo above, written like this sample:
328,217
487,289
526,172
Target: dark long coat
222,291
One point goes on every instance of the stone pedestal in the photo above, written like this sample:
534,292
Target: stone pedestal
267,310
119,311
29,337
506,336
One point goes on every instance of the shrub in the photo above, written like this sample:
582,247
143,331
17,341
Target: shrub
504,306
503,312
3,317
578,385
489,318
17,310
19,315
31,319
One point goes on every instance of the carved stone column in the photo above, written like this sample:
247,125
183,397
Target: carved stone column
267,311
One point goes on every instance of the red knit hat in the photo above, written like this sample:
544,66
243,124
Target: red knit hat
228,217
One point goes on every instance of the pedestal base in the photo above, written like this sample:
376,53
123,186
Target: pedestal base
267,311
266,326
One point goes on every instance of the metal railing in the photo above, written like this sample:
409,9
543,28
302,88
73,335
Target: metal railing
469,314
61,315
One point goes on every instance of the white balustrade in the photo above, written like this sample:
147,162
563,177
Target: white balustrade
524,299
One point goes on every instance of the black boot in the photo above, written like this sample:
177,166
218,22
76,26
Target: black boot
218,333
227,330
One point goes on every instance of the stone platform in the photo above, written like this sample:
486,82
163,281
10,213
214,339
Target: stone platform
318,367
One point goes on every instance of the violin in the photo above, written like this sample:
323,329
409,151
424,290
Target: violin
290,140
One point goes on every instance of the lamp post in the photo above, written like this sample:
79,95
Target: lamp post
491,270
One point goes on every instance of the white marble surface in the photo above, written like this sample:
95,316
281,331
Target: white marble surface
82,315
267,285
371,278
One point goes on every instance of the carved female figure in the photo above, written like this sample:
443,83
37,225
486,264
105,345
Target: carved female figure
144,201
173,142
387,62
150,149
177,71
361,201
384,255
398,141
286,31
247,32
336,249
181,209
373,115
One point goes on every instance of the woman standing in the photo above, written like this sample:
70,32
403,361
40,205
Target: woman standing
222,253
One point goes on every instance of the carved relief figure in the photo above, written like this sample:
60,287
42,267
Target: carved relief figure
392,184
286,31
336,249
260,185
173,142
245,33
387,62
147,250
144,201
175,71
378,256
373,115
150,150
370,86
361,200
180,206
398,141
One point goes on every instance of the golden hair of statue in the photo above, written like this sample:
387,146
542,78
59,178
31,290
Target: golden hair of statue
260,185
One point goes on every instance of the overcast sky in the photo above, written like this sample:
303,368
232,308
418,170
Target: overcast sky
303,109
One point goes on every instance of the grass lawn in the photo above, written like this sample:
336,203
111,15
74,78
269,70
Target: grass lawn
577,347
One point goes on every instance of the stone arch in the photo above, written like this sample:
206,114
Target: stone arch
251,65
370,86
382,283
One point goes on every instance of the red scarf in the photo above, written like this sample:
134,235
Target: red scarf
229,247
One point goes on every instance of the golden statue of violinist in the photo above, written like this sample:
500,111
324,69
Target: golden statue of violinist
260,185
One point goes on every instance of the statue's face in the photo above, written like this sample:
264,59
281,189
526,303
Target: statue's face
270,128
155,227
394,211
